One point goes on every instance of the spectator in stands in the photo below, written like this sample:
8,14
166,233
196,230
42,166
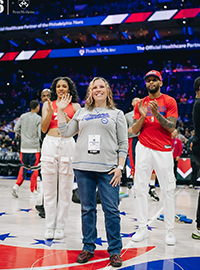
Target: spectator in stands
183,99
196,147
186,120
11,131
187,133
29,127
1,140
177,149
181,137
7,141
190,100
194,174
16,143
2,132
4,147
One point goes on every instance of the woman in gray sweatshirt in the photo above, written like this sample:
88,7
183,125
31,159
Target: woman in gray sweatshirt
99,158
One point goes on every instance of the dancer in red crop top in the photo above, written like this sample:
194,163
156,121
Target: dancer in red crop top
56,158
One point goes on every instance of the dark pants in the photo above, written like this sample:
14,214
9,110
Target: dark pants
194,173
131,151
28,159
197,160
175,167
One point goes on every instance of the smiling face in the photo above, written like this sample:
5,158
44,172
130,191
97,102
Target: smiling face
99,92
153,84
62,88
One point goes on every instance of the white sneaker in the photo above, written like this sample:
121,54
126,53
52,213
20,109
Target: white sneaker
59,234
140,234
15,190
170,238
34,194
49,234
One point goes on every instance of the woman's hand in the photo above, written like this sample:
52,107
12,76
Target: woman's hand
64,102
50,107
116,180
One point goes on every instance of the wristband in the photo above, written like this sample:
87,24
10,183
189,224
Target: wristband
120,167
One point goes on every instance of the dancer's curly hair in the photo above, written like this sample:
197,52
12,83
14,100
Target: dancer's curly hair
89,103
72,88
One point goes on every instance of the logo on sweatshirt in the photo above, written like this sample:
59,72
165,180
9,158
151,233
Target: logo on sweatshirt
103,116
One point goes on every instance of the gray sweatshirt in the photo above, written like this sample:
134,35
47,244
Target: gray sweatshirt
129,120
29,127
112,128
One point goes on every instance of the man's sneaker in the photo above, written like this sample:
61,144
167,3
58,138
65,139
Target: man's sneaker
115,260
153,195
140,234
170,238
196,234
49,234
191,186
15,190
59,234
84,256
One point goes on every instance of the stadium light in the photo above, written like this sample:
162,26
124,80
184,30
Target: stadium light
13,43
157,34
67,39
94,36
40,41
125,34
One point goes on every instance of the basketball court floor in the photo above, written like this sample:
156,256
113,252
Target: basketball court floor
23,247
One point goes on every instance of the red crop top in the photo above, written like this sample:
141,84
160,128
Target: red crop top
54,120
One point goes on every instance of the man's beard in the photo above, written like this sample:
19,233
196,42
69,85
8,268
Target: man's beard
153,91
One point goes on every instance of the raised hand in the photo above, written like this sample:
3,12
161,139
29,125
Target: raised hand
50,107
64,102
142,109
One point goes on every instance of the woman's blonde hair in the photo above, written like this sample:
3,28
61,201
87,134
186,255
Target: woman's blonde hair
89,103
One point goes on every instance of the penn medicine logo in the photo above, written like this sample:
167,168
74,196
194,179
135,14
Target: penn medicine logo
81,52
23,3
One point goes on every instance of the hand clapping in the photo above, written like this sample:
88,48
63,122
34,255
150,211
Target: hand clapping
142,109
153,105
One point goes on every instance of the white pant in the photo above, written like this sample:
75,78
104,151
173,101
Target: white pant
162,162
56,158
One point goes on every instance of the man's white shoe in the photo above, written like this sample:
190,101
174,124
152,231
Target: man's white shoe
59,234
170,238
49,234
140,234
15,190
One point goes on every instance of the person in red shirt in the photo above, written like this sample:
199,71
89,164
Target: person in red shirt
155,117
177,149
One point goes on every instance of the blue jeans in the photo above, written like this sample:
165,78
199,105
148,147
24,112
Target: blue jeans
109,196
